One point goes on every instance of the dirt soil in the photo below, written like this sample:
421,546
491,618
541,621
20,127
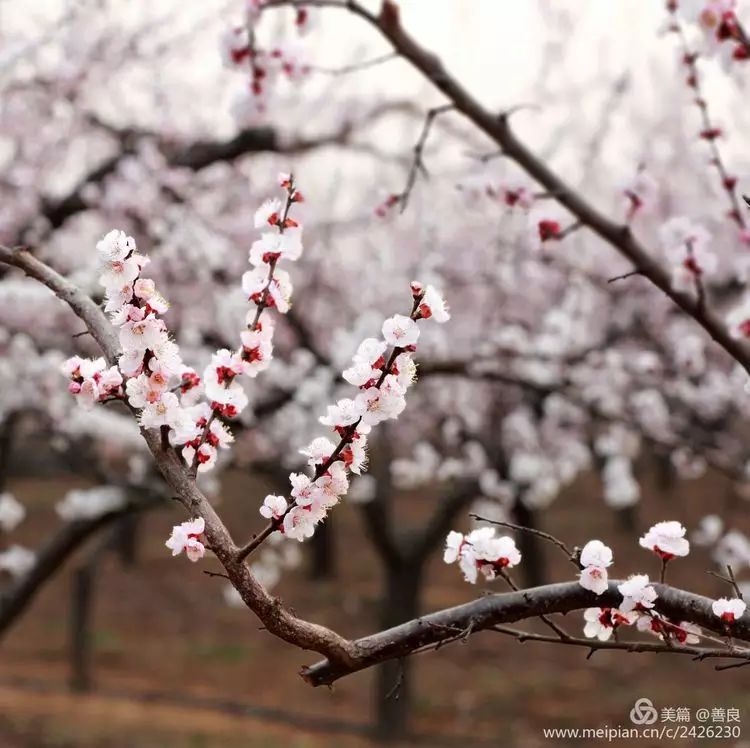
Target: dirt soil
176,668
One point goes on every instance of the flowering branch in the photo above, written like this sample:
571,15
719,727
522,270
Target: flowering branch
267,286
276,619
697,653
571,555
709,132
344,656
383,384
490,611
498,129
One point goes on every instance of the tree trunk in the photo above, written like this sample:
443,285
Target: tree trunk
400,603
627,518
80,628
531,546
666,477
323,551
126,539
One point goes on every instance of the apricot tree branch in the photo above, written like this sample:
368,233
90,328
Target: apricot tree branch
498,129
276,618
492,610
697,653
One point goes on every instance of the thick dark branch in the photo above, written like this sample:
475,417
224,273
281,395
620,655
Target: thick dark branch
487,612
203,153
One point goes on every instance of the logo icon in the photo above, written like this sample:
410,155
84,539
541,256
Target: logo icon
643,712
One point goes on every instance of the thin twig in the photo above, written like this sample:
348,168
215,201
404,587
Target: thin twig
569,554
624,276
418,164
635,647
355,66
730,579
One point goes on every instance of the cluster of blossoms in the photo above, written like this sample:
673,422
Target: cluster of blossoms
717,18
667,540
481,551
544,219
185,536
151,376
152,379
240,52
149,367
92,381
510,191
718,21
383,379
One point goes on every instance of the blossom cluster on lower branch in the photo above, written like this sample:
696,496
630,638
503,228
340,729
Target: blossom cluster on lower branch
482,551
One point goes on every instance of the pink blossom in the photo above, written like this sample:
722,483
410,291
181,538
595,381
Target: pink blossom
185,536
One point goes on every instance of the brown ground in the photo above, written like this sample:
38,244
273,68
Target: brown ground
176,668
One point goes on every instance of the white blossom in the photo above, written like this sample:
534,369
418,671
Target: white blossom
400,331
729,610
185,536
666,539
273,507
637,593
